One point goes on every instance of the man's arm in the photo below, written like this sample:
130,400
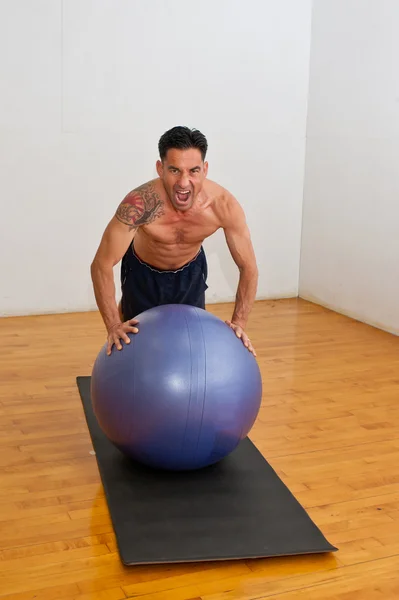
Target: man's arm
139,207
239,242
116,239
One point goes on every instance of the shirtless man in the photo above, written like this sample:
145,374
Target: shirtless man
157,232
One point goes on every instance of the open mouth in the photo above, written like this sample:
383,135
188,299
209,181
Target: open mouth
182,196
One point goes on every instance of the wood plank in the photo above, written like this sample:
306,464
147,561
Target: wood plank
329,425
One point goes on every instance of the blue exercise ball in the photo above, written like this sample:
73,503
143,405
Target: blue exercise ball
182,394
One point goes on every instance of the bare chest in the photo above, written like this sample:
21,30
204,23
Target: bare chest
182,231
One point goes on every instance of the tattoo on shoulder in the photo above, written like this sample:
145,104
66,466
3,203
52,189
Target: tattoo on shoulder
140,207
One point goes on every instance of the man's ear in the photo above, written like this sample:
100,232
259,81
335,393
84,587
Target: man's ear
205,168
159,167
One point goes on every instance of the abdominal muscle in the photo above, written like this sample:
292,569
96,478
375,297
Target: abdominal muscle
167,252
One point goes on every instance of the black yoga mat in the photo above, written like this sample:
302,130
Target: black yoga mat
238,508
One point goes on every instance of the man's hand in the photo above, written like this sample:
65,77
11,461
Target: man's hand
240,333
119,332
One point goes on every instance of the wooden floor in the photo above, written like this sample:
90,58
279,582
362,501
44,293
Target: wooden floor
329,425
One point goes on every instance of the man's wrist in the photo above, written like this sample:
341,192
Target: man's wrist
114,325
239,322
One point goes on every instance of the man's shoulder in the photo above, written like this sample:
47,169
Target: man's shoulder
141,206
153,185
227,209
145,195
220,196
223,201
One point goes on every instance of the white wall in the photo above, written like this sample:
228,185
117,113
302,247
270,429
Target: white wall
350,242
87,88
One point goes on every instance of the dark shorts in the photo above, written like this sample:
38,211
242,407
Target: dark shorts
144,286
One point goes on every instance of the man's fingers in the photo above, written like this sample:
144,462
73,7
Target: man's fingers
245,340
133,321
116,337
237,330
251,349
117,342
123,336
240,333
132,329
247,344
112,340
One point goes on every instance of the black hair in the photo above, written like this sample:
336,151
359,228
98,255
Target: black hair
182,138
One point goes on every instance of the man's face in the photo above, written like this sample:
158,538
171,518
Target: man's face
182,173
